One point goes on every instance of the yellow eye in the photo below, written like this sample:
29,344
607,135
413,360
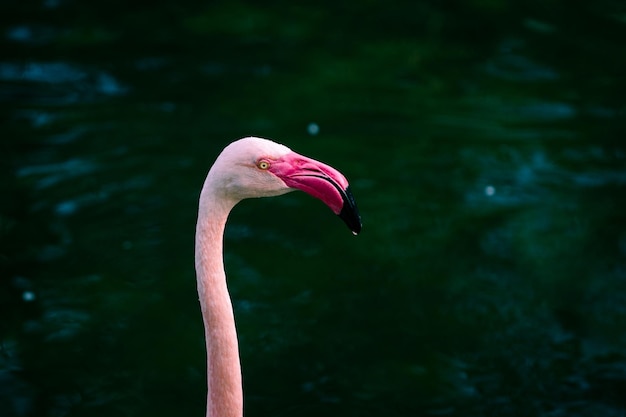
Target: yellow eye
263,164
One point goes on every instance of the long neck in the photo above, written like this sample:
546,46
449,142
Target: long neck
225,394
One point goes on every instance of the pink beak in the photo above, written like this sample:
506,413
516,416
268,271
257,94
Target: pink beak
321,181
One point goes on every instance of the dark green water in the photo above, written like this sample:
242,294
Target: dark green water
485,144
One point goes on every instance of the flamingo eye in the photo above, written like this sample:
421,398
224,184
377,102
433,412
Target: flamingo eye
263,164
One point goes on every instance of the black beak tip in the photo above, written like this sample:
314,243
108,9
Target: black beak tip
350,214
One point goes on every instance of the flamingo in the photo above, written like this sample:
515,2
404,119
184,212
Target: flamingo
248,168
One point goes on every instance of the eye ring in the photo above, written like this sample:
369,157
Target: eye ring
263,164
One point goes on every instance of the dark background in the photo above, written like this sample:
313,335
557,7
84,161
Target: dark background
485,144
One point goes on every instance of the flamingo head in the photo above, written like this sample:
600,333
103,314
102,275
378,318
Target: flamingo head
254,167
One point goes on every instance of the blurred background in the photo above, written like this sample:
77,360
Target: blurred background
485,144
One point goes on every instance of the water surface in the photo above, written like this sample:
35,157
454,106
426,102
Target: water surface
484,144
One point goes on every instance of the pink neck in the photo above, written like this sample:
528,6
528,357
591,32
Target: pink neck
225,394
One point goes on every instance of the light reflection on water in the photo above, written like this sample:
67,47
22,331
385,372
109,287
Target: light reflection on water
80,84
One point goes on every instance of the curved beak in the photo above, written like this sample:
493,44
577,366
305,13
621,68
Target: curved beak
321,181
